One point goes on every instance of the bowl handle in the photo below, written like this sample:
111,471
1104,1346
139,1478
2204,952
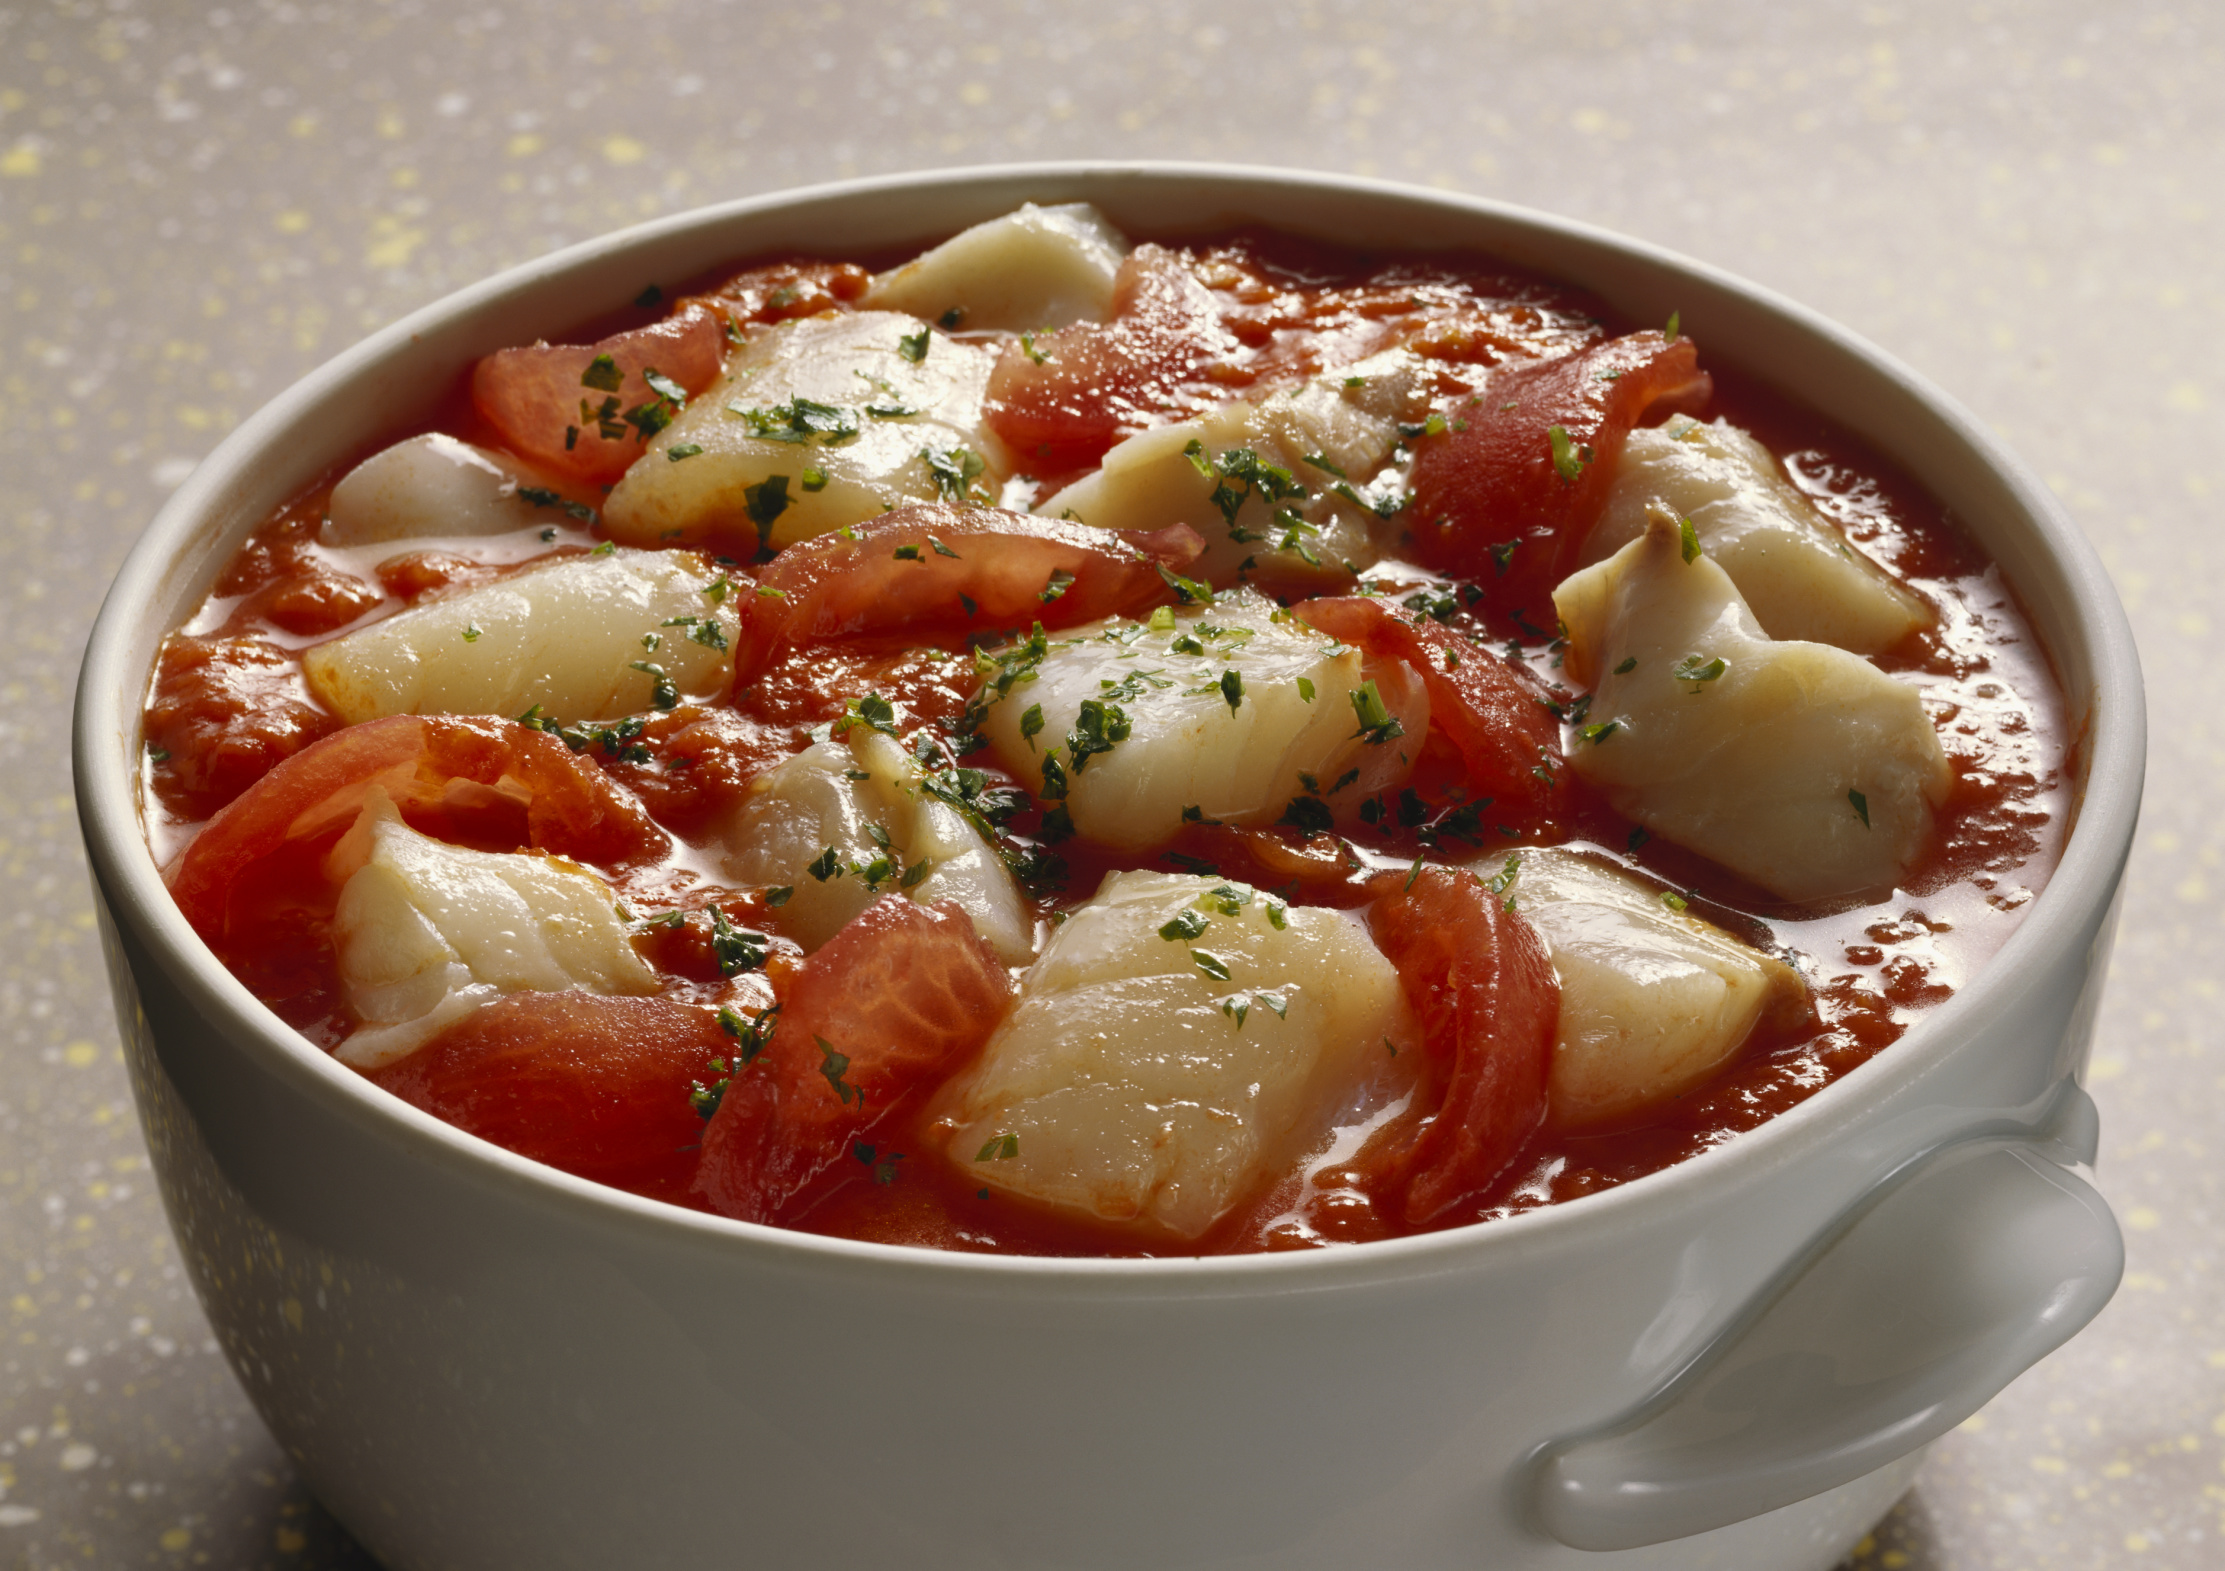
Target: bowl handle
1954,1277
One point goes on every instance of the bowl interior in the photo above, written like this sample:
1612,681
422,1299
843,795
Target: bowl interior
393,379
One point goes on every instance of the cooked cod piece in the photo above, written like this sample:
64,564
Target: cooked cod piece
1041,267
1793,568
1653,999
1179,1044
817,423
426,932
1288,489
844,822
586,637
1223,712
434,486
1797,765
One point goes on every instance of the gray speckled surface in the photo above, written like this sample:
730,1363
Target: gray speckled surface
2026,202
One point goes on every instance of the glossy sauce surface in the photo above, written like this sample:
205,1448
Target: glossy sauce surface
227,702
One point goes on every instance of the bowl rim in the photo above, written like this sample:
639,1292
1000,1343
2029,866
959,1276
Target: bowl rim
111,691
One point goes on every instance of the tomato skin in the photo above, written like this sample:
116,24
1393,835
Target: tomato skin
781,291
814,684
1488,488
907,994
532,396
595,1086
474,781
1482,985
1494,713
1096,382
831,587
701,763
225,711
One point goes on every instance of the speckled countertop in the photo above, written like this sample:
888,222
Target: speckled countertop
2026,202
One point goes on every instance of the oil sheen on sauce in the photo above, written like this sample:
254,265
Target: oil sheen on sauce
1873,969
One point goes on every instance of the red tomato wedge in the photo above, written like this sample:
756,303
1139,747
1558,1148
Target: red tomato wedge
1063,398
596,1086
701,762
1491,711
781,291
1482,985
225,711
535,397
1498,497
938,570
253,883
890,1005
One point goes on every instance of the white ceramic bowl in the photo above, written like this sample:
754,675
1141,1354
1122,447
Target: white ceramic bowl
480,1362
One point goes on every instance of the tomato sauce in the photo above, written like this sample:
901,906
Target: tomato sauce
1195,326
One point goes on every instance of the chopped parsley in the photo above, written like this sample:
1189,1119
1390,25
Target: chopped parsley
1097,728
800,421
1211,964
1377,724
1187,591
1569,459
663,691
704,630
764,503
1238,1006
736,949
536,496
834,1066
1189,924
1231,685
872,711
953,471
913,346
1861,806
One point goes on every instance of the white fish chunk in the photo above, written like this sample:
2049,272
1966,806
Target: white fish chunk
1232,710
1041,267
435,486
426,932
1653,999
844,822
567,635
1302,474
1793,568
1797,765
1123,1089
817,423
